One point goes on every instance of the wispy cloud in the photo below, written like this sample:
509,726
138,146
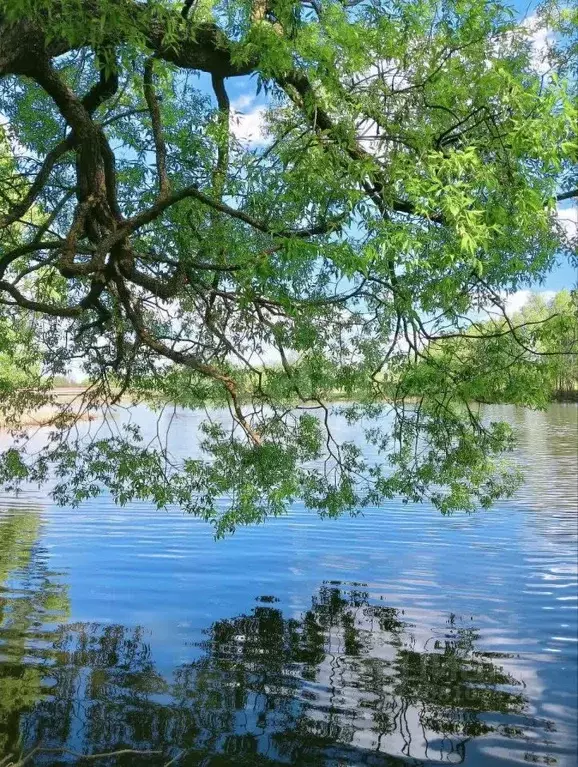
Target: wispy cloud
541,39
248,123
516,301
568,219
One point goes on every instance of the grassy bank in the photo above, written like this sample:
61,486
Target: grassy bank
45,415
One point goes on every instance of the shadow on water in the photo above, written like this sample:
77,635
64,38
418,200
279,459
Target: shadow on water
30,599
345,682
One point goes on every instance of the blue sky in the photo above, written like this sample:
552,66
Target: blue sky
565,276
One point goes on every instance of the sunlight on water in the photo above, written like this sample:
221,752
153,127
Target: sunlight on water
398,637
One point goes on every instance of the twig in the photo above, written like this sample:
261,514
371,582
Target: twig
89,757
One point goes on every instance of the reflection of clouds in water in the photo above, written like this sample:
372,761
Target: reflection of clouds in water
507,572
388,652
548,454
179,429
347,677
547,448
548,451
547,441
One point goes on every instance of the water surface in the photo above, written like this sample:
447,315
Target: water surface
398,637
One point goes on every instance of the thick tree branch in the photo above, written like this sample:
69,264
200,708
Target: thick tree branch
567,195
97,95
155,114
224,105
200,46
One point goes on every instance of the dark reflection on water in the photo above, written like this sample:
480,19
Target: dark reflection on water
329,686
398,638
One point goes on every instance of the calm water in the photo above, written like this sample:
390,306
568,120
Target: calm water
395,638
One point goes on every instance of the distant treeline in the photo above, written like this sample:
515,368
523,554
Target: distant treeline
537,346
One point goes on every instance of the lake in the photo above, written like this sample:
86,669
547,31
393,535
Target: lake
397,637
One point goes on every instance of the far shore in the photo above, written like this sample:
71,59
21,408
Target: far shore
45,415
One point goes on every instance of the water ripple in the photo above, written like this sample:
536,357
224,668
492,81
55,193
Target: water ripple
395,638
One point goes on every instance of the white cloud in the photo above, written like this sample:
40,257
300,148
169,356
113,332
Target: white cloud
243,101
568,219
516,301
541,39
248,123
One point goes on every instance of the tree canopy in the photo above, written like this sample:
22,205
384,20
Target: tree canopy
414,155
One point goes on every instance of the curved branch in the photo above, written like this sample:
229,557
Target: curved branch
24,250
21,207
299,89
187,360
567,195
155,115
39,306
151,214
97,95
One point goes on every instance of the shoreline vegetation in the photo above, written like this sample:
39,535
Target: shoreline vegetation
565,396
546,326
44,415
545,330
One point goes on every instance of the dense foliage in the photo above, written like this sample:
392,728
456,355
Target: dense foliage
529,358
414,157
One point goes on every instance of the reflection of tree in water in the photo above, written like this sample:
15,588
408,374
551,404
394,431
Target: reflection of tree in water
30,597
336,685
547,455
348,673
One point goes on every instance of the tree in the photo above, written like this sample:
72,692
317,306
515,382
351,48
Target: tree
550,327
344,679
528,359
411,178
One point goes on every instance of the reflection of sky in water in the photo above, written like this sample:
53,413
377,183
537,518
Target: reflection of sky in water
509,575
